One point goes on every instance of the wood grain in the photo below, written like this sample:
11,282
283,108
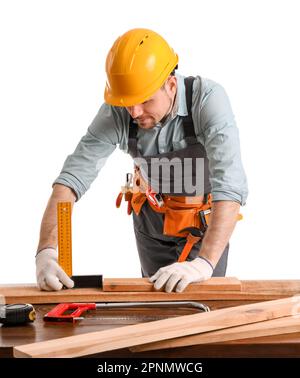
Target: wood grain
143,284
281,326
251,290
138,334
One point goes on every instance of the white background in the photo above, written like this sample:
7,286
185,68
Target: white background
51,85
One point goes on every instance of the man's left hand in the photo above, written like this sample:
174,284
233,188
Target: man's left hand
181,274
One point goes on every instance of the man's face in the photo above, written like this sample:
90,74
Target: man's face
152,111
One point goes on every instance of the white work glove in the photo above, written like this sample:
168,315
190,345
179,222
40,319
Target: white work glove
50,276
182,274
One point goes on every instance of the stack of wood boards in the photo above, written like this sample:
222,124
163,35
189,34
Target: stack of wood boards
175,330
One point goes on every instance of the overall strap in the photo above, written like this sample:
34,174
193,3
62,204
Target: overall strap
188,124
132,137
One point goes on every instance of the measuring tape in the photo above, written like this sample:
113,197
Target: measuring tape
17,314
64,236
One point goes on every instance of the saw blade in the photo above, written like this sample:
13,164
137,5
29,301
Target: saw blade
104,320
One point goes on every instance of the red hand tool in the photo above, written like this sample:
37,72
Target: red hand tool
58,314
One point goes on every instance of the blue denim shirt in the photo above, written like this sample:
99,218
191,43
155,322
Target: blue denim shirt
215,128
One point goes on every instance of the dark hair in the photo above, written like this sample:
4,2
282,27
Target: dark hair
173,72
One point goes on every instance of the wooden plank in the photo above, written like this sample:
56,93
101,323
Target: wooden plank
143,284
97,342
281,326
251,290
272,285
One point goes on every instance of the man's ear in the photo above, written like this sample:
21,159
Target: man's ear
171,85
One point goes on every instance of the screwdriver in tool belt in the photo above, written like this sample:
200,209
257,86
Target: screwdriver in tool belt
17,314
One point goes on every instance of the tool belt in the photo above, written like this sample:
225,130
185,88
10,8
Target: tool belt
183,216
179,212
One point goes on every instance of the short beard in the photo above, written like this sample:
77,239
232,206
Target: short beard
149,125
165,117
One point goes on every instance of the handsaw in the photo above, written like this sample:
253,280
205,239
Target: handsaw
72,312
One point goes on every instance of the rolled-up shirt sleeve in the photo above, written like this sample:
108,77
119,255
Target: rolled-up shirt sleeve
222,144
82,167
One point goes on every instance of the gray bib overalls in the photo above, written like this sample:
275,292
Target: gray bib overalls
156,249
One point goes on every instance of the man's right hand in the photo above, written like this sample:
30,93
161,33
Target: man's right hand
50,276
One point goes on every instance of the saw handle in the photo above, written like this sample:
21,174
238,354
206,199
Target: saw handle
57,314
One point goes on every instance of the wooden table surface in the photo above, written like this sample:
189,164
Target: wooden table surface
272,346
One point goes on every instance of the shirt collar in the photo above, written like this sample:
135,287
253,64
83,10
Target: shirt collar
181,100
179,106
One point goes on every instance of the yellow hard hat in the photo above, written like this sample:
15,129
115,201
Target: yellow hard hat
137,65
